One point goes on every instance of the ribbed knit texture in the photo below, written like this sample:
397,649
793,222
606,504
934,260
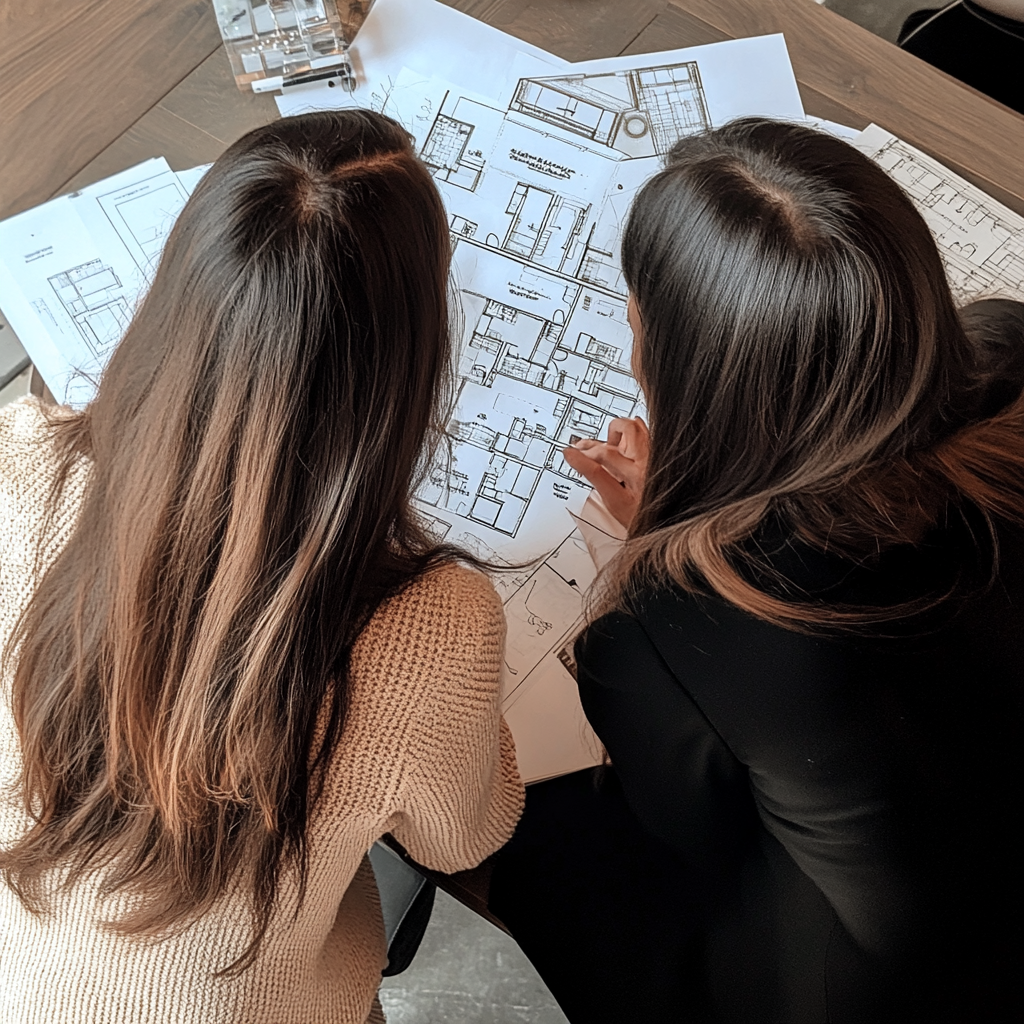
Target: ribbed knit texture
424,754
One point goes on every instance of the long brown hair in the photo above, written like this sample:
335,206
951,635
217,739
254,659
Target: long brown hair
181,669
803,362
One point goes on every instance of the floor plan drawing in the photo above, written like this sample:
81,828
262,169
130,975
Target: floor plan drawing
535,214
73,269
981,242
529,386
147,217
94,298
546,348
445,153
142,215
639,113
537,179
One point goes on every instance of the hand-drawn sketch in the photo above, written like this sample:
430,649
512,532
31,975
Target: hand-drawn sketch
981,241
143,214
445,153
94,298
545,610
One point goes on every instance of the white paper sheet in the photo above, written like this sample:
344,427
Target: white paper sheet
538,185
603,534
738,78
981,241
190,178
840,131
72,270
428,38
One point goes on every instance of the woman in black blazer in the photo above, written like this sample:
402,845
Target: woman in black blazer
806,663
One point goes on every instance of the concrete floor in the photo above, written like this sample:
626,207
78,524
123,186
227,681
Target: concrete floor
467,972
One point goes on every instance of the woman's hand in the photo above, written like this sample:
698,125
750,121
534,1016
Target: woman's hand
617,467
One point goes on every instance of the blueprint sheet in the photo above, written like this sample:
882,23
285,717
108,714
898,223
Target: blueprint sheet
981,241
72,270
537,178
426,37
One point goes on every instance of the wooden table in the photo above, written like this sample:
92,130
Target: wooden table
90,87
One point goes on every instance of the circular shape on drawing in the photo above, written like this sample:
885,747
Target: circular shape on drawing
636,127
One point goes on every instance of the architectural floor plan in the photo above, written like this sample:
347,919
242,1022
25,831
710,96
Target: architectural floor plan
537,189
73,269
981,241
538,177
94,298
635,113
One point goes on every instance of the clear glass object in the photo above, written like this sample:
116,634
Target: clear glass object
267,38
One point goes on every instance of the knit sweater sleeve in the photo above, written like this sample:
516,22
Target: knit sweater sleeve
460,796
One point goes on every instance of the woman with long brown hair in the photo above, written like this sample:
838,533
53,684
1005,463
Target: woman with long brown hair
234,657
806,662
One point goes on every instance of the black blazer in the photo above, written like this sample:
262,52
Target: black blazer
847,808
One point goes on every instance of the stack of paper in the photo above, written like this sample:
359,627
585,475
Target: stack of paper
72,270
981,241
538,162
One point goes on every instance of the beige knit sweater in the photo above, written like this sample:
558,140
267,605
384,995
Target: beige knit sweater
424,754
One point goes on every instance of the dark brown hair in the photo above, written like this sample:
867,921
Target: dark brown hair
181,670
803,359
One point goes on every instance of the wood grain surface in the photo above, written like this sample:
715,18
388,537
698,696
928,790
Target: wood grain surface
97,85
77,74
572,29
852,76
193,124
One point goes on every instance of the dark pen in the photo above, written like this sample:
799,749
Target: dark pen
277,82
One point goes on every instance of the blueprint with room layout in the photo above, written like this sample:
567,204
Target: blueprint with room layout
538,186
981,241
94,298
72,270
535,211
636,113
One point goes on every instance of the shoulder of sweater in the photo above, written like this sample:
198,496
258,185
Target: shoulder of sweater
22,425
26,441
30,525
450,593
447,624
